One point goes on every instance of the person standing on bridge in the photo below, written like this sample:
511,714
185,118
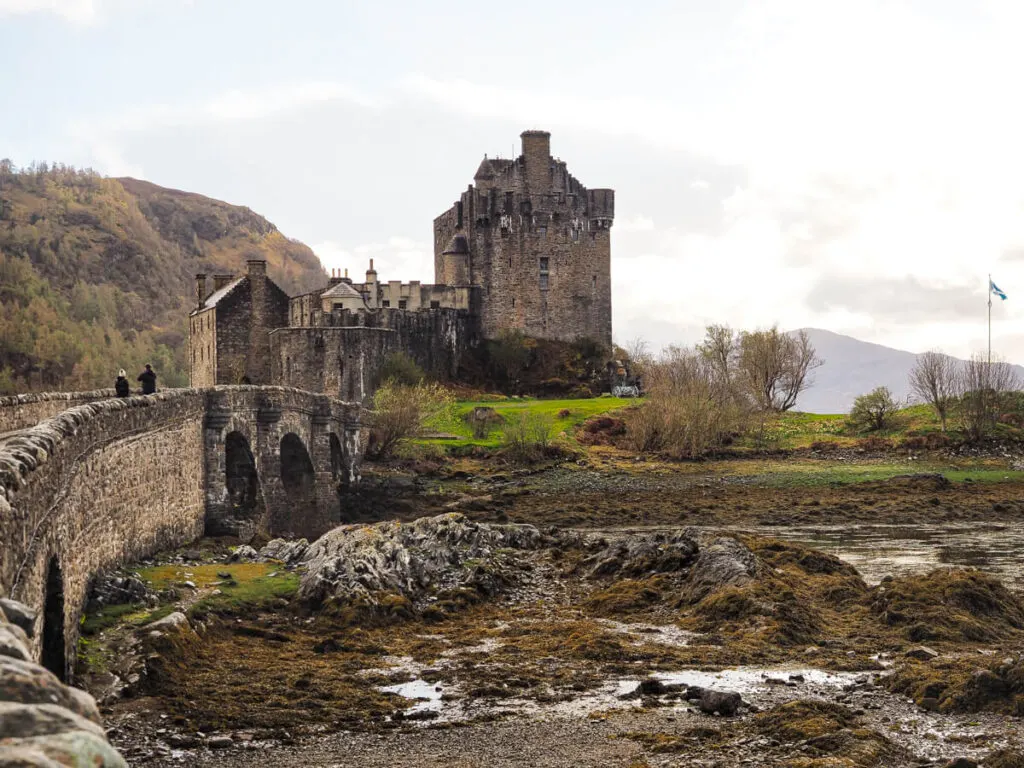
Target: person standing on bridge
121,386
148,379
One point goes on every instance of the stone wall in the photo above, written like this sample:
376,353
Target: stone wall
22,411
101,484
343,360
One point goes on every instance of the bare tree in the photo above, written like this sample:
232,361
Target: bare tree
690,409
983,389
774,367
934,379
638,353
720,347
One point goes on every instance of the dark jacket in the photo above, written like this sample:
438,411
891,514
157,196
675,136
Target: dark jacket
121,387
148,379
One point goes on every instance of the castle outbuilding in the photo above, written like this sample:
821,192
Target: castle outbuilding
525,248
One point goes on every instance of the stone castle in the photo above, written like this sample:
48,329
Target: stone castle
525,248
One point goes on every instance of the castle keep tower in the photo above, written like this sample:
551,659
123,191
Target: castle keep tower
537,241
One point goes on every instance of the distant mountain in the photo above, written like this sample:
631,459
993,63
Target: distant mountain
852,368
98,274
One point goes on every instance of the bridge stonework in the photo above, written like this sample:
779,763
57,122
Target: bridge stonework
114,480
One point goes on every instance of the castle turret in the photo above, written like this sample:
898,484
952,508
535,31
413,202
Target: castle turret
456,261
537,156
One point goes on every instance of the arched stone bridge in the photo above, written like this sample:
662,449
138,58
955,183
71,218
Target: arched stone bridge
101,481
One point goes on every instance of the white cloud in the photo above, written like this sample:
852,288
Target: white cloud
878,140
77,11
398,258
228,106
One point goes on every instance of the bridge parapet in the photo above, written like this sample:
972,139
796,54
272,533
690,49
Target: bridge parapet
27,410
114,480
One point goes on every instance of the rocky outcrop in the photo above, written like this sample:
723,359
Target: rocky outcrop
356,563
42,721
643,555
721,562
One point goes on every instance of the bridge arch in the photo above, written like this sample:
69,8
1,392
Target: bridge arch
242,481
54,656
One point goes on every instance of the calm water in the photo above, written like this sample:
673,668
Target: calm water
880,550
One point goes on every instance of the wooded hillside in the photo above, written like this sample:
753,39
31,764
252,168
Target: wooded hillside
98,274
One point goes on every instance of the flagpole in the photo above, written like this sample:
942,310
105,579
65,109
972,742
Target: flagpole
990,320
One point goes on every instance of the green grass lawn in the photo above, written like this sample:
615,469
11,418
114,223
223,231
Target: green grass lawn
578,412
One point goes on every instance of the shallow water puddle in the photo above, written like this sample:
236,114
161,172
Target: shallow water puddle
426,695
749,679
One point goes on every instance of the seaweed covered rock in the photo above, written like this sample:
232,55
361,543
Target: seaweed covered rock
771,592
643,554
829,732
959,684
952,604
361,563
721,562
42,721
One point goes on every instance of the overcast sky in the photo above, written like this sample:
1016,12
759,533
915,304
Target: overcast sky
856,166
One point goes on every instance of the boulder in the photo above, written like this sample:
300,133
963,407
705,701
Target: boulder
288,552
721,702
244,552
922,653
14,642
23,720
642,555
176,620
44,723
721,562
19,614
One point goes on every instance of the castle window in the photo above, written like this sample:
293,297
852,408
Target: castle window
385,303
510,262
544,261
402,303
575,234
594,283
543,281
435,305
542,231
513,302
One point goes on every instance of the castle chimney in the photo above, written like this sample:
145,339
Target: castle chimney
257,267
219,281
537,156
200,289
335,278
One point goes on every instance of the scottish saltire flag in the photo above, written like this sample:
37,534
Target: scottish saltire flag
995,289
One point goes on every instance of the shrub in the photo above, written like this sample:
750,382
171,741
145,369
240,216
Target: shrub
874,411
526,435
399,368
401,412
601,430
690,410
